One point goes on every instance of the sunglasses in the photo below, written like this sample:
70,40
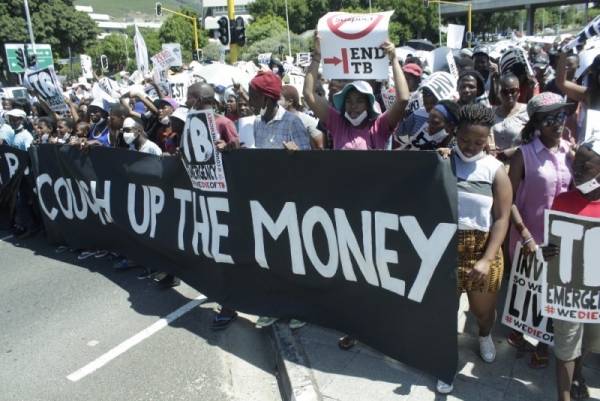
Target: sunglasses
551,120
511,92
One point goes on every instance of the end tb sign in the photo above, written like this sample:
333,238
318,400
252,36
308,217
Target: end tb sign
350,45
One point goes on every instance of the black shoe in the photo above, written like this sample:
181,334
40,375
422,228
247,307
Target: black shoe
147,273
169,281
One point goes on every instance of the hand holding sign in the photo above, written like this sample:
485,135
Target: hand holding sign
389,49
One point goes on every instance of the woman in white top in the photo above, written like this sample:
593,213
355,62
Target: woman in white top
510,118
484,202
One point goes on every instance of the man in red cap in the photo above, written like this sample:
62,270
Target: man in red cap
275,128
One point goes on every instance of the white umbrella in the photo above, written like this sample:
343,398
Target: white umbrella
222,74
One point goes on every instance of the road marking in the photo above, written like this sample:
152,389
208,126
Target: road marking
136,339
7,237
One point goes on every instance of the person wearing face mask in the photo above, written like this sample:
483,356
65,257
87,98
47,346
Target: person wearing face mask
135,137
539,171
290,100
438,131
355,122
484,200
165,106
65,130
573,341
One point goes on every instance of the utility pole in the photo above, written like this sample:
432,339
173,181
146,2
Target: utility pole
71,62
232,44
29,27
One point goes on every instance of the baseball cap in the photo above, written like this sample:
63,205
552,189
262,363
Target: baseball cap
540,61
545,102
481,50
412,68
167,100
361,86
466,52
16,113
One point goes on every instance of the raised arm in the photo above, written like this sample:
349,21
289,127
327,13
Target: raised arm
571,89
147,102
396,111
316,103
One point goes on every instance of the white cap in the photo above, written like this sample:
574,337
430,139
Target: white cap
129,122
16,113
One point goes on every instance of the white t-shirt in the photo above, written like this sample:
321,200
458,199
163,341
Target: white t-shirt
149,147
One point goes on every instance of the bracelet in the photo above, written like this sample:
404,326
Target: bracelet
520,227
314,59
527,241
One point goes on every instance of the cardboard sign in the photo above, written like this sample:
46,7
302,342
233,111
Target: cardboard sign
164,59
178,85
442,84
302,58
264,58
350,45
203,162
523,306
86,66
44,81
455,36
571,281
175,49
442,59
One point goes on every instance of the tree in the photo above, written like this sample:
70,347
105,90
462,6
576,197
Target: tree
265,27
271,45
56,23
177,29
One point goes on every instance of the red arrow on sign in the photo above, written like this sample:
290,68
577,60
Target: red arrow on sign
334,60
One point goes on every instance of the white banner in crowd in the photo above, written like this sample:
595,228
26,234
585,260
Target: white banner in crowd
571,281
164,59
136,77
175,49
523,306
455,36
86,66
350,45
46,84
141,52
442,59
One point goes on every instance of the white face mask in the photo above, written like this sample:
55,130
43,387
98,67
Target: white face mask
588,186
469,159
276,70
128,137
166,120
438,137
358,120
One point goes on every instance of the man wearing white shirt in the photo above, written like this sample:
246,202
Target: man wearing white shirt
136,138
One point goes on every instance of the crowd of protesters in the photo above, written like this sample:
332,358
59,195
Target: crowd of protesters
516,136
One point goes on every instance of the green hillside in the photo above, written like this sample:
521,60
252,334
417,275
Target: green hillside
119,9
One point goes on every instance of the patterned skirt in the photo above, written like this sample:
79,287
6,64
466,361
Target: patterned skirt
471,247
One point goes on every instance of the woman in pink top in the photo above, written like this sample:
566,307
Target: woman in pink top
355,122
539,171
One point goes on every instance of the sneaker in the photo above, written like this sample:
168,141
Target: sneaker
296,324
487,348
86,254
147,274
444,388
169,281
264,321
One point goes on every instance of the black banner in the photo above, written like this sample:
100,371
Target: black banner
13,162
361,242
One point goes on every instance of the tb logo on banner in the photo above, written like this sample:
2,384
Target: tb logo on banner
203,162
350,45
46,84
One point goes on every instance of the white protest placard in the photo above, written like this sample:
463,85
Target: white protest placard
202,161
350,45
523,306
591,129
136,78
246,131
86,66
442,59
455,36
159,75
46,84
515,55
571,281
302,58
175,49
586,59
178,85
415,101
592,29
388,96
164,59
264,58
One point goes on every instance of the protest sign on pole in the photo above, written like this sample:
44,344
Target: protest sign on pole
86,66
571,281
141,52
350,45
302,58
202,161
523,306
175,49
46,84
164,59
455,36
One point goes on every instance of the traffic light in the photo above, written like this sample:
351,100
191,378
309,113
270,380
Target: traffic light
158,9
426,3
104,62
280,50
240,32
197,55
21,58
31,60
469,37
224,31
